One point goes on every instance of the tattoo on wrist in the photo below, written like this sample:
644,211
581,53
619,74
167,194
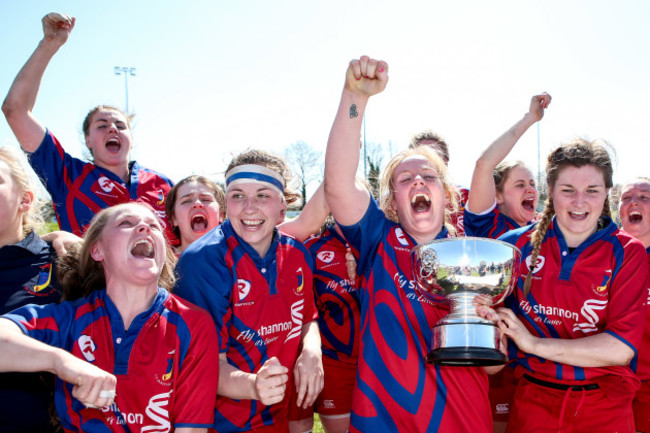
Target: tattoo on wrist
353,111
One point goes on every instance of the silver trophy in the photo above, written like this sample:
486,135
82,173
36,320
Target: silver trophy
456,270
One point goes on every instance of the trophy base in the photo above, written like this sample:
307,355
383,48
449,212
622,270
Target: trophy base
466,357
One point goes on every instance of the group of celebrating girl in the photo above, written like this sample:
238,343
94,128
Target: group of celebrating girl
253,330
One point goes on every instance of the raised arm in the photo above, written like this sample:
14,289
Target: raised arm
311,217
365,77
482,193
20,353
17,106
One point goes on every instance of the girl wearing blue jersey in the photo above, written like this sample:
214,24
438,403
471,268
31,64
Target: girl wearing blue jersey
634,213
503,195
396,389
257,284
79,189
576,310
27,275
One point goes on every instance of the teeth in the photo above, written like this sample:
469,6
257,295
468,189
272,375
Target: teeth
416,197
143,248
635,213
252,222
578,213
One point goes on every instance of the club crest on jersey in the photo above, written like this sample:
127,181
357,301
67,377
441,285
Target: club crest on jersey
165,379
43,281
243,288
602,289
106,184
401,237
301,281
161,197
538,266
87,347
325,256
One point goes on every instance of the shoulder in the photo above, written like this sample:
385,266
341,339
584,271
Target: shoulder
519,236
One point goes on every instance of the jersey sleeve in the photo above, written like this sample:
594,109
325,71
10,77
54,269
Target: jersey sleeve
54,166
197,382
204,278
627,303
48,324
481,224
364,237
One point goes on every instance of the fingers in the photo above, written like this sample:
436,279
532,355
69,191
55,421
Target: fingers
271,382
60,20
95,392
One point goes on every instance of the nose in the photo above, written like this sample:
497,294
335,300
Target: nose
579,197
143,227
197,203
418,178
112,127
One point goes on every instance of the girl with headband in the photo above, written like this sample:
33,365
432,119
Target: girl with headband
256,283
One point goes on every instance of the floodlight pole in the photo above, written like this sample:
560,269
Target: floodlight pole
126,70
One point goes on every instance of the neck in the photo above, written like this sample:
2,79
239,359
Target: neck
131,300
11,235
421,239
121,170
575,240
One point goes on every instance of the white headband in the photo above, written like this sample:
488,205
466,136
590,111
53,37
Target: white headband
253,173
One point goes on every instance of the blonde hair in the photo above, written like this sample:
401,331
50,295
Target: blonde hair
576,153
273,162
387,185
32,219
80,274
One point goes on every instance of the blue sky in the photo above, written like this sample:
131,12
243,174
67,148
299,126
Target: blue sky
215,77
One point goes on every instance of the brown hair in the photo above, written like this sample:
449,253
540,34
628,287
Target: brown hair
89,117
80,274
429,135
503,170
387,185
273,162
215,190
576,153
32,219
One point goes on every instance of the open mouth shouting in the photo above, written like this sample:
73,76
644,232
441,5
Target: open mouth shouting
635,217
199,222
113,145
528,204
143,248
420,202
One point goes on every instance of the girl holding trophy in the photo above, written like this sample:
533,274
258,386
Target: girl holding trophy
396,389
575,313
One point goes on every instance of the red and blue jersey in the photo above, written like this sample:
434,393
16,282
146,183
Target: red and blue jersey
641,363
260,305
489,224
166,363
81,189
600,287
337,297
397,390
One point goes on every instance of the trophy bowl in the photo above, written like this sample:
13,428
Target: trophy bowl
455,271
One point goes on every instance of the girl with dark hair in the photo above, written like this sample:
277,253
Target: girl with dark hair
127,354
257,284
80,189
575,313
